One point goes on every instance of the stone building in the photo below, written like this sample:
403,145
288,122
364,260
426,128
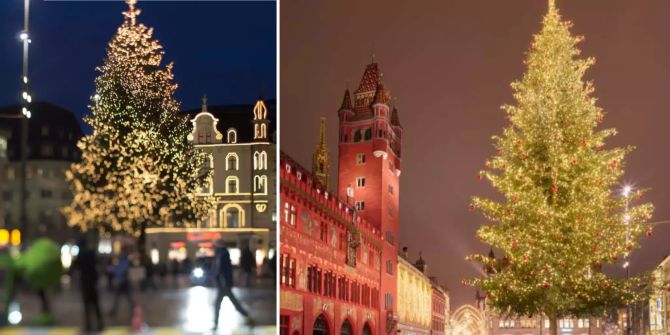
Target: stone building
240,143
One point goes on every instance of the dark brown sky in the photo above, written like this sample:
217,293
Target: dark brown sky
449,63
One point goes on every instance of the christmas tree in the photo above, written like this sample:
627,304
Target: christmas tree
561,216
137,168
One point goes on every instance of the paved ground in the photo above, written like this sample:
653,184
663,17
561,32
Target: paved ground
175,308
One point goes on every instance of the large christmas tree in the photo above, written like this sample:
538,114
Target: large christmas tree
137,169
562,215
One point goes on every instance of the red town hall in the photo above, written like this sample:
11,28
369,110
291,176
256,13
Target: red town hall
339,252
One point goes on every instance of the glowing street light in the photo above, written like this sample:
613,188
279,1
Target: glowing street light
23,36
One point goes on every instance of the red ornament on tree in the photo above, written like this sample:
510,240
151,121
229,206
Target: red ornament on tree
649,232
554,188
545,285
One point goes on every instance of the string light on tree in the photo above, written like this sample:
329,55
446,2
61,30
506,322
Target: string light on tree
137,168
560,219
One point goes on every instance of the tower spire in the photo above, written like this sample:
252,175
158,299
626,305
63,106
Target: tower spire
320,161
132,12
204,103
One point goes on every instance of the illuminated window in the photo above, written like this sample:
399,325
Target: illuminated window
232,216
506,323
207,187
260,160
261,184
360,182
3,147
232,161
360,159
232,135
360,205
566,323
287,266
232,185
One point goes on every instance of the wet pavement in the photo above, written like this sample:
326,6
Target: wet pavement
176,307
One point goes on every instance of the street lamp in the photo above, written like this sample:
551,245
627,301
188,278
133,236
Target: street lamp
26,114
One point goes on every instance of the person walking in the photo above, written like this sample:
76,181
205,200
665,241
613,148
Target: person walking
86,263
248,264
122,283
222,269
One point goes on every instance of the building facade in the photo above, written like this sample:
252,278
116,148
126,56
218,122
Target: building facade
53,133
339,255
439,309
415,305
240,146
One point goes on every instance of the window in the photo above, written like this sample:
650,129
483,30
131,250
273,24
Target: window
389,267
46,194
360,182
231,135
388,301
47,150
283,325
324,232
232,161
314,279
566,323
368,134
506,323
360,205
287,265
3,147
232,218
360,159
380,133
261,184
357,136
389,237
583,323
260,160
231,185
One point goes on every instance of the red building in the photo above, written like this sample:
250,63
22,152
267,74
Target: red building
339,254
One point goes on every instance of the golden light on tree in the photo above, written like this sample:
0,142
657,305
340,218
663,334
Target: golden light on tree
562,217
137,169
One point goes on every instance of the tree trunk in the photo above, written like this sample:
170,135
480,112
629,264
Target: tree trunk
553,325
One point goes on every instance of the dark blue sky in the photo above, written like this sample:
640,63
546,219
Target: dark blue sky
224,49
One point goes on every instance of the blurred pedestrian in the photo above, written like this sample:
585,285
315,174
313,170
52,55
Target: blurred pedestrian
85,264
272,262
222,269
162,272
175,270
248,264
121,281
148,281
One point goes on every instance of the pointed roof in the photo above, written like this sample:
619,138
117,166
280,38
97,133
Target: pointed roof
491,254
370,78
395,119
381,95
346,101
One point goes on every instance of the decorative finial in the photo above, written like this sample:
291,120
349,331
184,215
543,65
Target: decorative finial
373,57
132,12
322,132
204,103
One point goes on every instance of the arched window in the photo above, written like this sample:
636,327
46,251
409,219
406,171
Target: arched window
232,161
232,185
261,184
346,328
320,326
260,160
357,136
207,165
232,216
367,330
264,131
368,134
232,135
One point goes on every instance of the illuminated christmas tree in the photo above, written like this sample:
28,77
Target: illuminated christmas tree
562,215
137,169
